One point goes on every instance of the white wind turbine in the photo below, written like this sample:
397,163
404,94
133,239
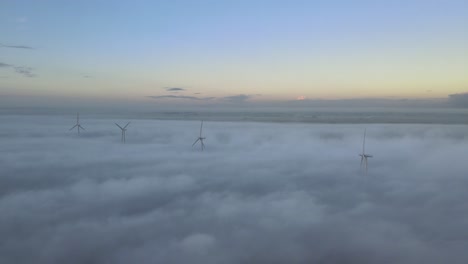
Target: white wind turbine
77,125
364,156
124,129
200,138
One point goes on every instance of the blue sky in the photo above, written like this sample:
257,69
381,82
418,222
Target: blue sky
277,49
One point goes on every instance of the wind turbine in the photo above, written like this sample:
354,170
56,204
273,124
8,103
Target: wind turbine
200,138
78,126
124,129
364,156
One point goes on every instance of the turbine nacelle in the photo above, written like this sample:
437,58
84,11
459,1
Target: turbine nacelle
200,138
364,156
77,125
124,129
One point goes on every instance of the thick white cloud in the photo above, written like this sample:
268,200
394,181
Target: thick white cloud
260,193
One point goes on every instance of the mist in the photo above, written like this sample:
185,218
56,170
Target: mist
259,193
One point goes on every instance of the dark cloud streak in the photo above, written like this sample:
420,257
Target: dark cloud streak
182,97
241,98
25,71
174,89
16,46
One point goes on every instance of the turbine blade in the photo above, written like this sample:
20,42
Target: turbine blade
367,166
73,127
118,126
81,127
201,128
126,125
195,142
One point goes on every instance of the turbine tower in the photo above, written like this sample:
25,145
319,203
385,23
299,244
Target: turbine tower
124,129
364,156
200,138
78,126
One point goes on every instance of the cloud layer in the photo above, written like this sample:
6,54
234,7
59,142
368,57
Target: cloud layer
260,193
236,99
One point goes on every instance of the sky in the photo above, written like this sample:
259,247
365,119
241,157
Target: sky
219,51
259,193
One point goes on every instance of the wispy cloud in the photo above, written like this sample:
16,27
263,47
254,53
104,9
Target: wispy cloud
26,71
174,89
182,97
237,98
16,46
